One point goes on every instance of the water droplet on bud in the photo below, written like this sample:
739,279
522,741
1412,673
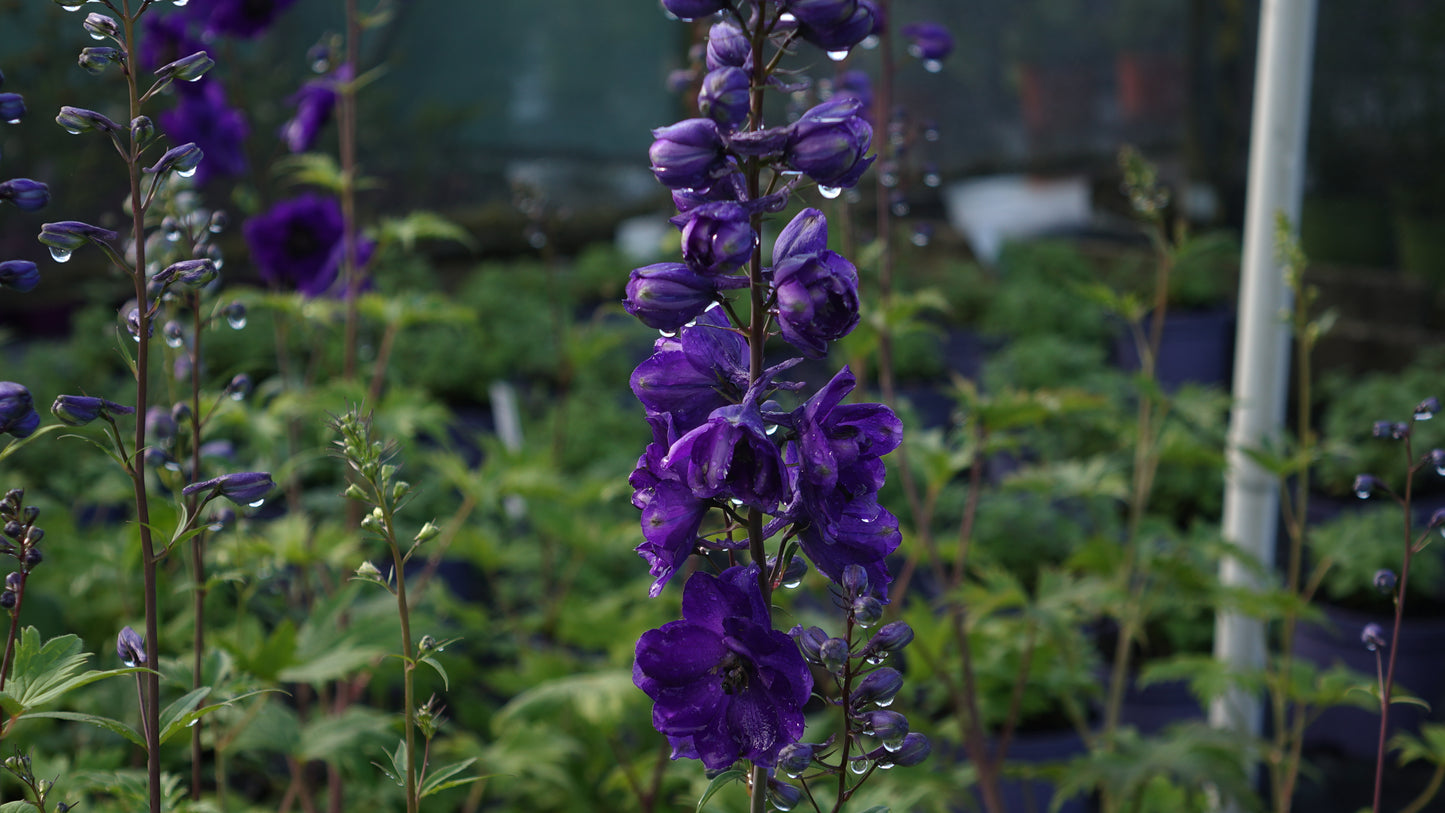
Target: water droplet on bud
837,56
932,65
257,503
830,192
60,255
236,322
186,173
860,766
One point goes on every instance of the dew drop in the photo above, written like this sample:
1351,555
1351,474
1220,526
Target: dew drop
668,334
830,192
1424,415
837,56
900,208
97,37
787,18
186,173
1362,493
889,179
180,3
793,774
71,130
932,178
238,395
930,134
236,322
870,42
921,236
174,340
12,121
875,660
793,585
886,765
320,66
932,65
260,502
883,704
893,745
60,255
860,766
192,724
1440,470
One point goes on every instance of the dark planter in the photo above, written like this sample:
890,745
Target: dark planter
1155,707
1029,750
1197,347
1420,667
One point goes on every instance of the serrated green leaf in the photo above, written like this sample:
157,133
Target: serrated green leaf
106,723
422,225
42,673
732,775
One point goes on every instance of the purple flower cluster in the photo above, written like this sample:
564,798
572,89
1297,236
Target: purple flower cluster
27,196
729,467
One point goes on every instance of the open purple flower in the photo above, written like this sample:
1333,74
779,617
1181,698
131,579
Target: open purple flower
829,142
730,456
704,367
236,18
297,244
218,129
725,685
817,300
17,411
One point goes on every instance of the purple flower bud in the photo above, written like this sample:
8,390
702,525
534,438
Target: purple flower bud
1437,519
807,233
914,749
78,120
69,235
693,9
888,726
1385,580
829,142
891,637
14,529
686,154
131,647
725,97
13,579
1365,485
79,410
161,425
783,796
8,600
183,160
867,610
1373,637
810,641
239,387
818,23
97,60
187,68
834,655
27,195
879,687
718,238
728,47
822,13
33,556
1437,459
17,411
100,26
796,758
1427,408
315,102
193,273
792,574
666,296
19,275
245,488
855,580
929,42
12,107
816,299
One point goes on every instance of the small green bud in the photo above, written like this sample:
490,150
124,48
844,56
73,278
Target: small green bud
368,572
400,489
428,532
355,492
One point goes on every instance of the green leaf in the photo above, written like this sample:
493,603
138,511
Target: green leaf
327,737
422,225
878,809
732,775
184,719
339,662
42,673
442,779
432,662
103,722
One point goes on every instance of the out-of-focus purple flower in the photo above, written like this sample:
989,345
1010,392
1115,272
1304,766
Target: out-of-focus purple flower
718,238
17,411
724,97
686,155
297,244
161,425
19,275
671,514
817,300
666,296
693,9
243,488
728,47
167,37
829,142
236,18
12,107
131,647
1373,637
314,102
725,685
855,84
929,42
687,377
218,129
79,410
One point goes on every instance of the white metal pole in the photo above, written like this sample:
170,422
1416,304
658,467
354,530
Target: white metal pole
1261,360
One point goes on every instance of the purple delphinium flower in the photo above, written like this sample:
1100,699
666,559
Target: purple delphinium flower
218,129
817,300
693,9
836,25
686,155
667,296
315,102
725,96
25,194
17,411
688,376
236,18
297,244
856,84
725,685
728,47
79,410
929,42
829,142
12,107
730,456
131,647
671,514
718,238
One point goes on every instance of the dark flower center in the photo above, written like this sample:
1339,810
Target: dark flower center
734,673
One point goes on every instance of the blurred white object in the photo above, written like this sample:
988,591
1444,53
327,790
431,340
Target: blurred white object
644,239
989,211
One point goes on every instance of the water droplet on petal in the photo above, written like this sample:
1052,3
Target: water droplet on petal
860,766
97,37
837,56
883,704
792,585
260,502
830,192
1440,470
179,3
932,65
186,173
900,208
787,17
1362,493
60,255
875,660
174,341
236,321
932,179
870,42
